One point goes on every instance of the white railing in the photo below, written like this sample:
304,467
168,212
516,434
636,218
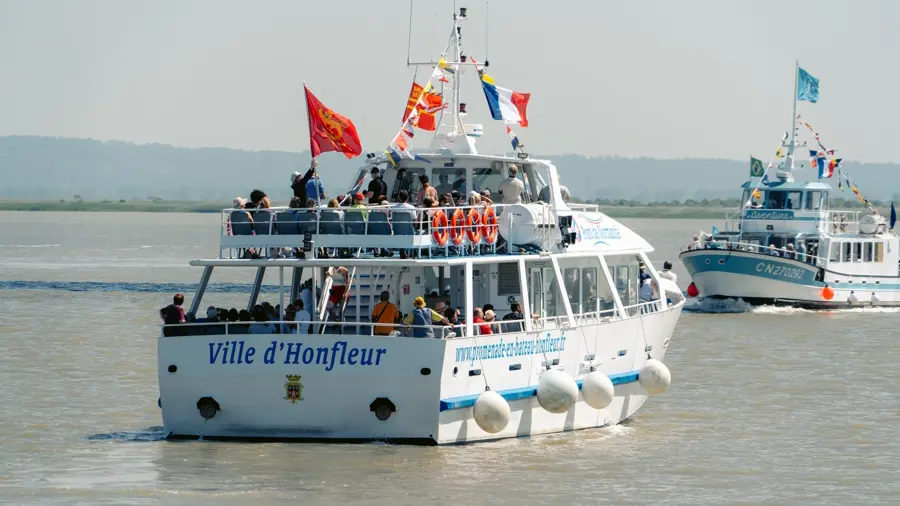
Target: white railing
585,208
748,247
454,230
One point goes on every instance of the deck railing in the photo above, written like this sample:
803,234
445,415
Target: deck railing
457,230
756,248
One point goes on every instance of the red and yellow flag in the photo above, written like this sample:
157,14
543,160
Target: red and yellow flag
429,106
330,131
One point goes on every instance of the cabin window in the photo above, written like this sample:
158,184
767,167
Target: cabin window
508,279
546,299
792,201
747,194
879,252
583,284
487,179
857,251
847,251
835,252
408,179
824,204
447,179
812,201
776,200
867,252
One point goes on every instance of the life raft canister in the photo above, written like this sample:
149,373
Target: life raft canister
473,226
439,230
457,223
489,226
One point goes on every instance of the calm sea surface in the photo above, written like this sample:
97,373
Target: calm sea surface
768,405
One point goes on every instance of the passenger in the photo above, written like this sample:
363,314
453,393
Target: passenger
445,201
490,318
403,201
173,313
789,251
426,191
358,204
377,187
338,293
244,326
212,315
544,194
478,324
773,250
645,292
444,324
256,199
289,327
452,316
262,325
314,188
334,204
426,215
302,316
696,244
423,318
515,317
801,251
486,197
456,197
296,203
233,315
386,314
298,184
239,203
444,185
511,188
666,272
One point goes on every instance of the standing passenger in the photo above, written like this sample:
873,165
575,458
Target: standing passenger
511,188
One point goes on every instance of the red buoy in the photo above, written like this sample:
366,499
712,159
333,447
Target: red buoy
692,290
827,293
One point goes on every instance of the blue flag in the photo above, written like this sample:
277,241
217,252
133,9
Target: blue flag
715,230
893,215
807,86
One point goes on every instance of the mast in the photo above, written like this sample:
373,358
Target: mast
789,156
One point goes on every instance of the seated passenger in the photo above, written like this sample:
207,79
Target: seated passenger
403,202
358,203
296,203
773,250
262,325
457,199
511,188
289,327
386,314
257,198
478,324
452,316
516,318
335,205
490,318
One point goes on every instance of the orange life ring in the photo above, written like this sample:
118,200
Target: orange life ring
457,221
489,226
473,226
439,228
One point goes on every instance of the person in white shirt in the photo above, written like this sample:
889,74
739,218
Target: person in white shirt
667,273
511,188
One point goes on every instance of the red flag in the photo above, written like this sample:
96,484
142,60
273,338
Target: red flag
401,143
329,131
428,106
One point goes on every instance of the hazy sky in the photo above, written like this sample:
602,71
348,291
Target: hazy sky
650,78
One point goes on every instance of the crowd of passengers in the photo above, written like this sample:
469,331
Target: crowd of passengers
309,193
802,251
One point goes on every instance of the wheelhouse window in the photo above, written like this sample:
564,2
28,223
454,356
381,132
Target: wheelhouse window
812,201
848,247
775,200
587,292
408,179
879,252
792,201
857,251
447,179
487,179
545,295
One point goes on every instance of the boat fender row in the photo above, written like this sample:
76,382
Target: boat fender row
557,392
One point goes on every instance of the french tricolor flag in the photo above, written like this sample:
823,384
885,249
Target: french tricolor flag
514,139
505,105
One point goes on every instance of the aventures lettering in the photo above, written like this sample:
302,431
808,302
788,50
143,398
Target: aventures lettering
293,353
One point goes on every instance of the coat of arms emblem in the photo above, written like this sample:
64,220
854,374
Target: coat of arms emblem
293,389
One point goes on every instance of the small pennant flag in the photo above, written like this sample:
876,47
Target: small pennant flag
756,193
514,139
779,153
442,63
437,74
393,156
400,141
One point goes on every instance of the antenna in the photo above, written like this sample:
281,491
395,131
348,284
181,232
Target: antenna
409,34
487,33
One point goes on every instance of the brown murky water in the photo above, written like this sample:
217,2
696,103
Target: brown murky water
767,405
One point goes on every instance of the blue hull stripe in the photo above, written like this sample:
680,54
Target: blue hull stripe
760,266
516,394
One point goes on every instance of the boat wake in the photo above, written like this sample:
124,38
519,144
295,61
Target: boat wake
150,434
727,306
717,306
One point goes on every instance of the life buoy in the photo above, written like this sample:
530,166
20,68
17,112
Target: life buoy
457,222
439,228
489,226
473,226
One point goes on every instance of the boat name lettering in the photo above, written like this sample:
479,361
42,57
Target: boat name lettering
294,353
593,232
780,270
769,215
508,349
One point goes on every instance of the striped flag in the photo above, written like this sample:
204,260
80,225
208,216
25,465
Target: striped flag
514,139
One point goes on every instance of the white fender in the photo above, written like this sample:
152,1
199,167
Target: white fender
491,412
654,377
598,390
556,391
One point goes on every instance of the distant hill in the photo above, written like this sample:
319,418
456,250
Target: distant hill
40,168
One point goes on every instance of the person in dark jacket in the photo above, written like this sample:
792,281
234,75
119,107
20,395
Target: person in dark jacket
377,187
298,183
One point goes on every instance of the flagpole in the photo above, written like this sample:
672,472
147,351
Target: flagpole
790,153
313,162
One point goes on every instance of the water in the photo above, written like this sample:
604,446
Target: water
767,405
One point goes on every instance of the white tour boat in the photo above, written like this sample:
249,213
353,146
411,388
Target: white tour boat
788,247
586,352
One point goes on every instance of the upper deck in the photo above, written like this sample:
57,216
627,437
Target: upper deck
542,222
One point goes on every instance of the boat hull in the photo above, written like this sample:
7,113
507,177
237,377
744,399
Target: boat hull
758,279
282,392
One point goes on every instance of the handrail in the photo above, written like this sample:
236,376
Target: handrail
746,247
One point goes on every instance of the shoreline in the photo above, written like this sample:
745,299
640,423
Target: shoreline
146,206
